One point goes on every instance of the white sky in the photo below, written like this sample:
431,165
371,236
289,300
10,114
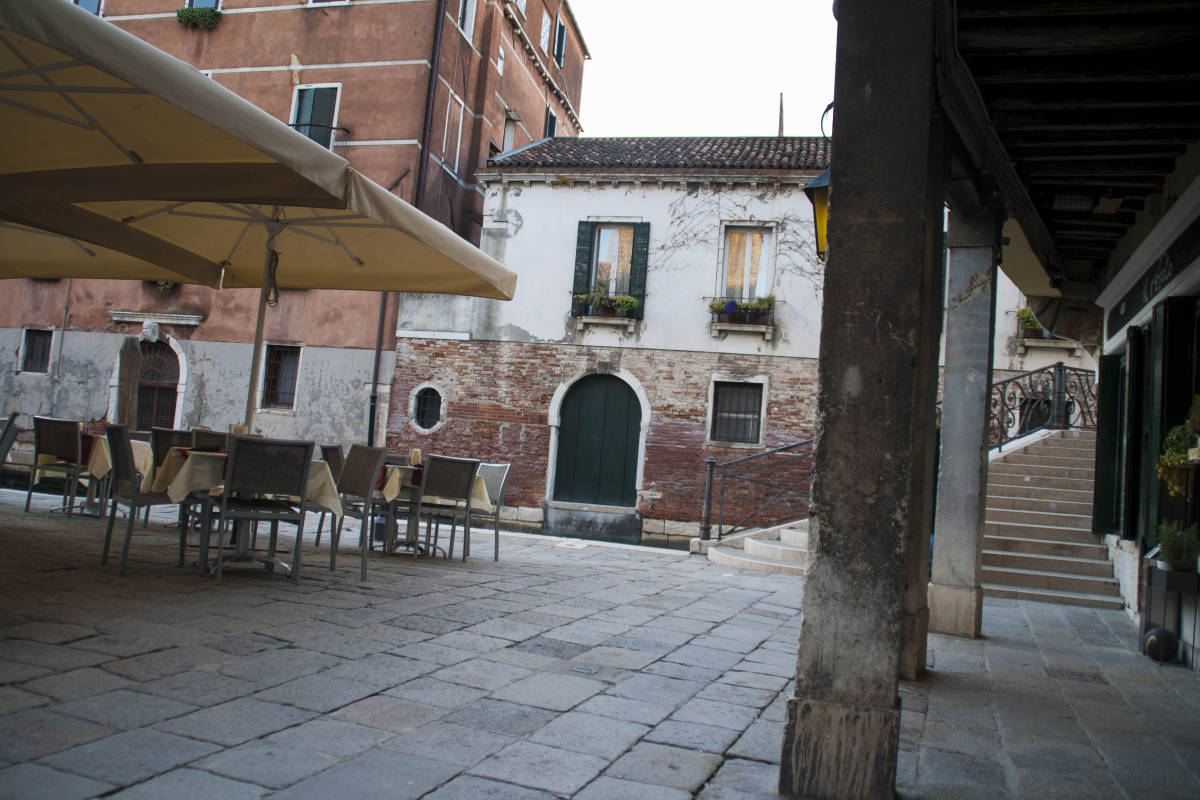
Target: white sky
686,68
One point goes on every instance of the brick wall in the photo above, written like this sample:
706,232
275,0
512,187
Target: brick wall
498,397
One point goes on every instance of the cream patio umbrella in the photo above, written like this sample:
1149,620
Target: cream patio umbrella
133,157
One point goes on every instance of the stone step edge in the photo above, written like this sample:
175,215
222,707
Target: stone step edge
1052,556
1059,596
1069,517
1039,527
1056,542
1051,574
739,559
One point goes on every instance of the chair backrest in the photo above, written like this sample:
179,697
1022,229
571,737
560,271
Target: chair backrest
163,439
332,455
57,437
267,466
494,476
361,470
121,455
448,477
209,440
8,436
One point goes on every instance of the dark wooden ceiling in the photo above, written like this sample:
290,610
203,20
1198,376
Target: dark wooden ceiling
1092,102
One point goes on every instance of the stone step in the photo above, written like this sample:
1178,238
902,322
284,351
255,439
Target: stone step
1007,475
1007,559
739,559
1062,447
1026,458
1038,492
1040,579
1055,596
1040,504
1046,533
796,537
1054,519
1035,471
776,550
1017,544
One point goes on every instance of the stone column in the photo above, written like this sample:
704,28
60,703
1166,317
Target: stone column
955,597
878,369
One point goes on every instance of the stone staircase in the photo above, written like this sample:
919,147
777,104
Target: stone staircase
782,549
1038,543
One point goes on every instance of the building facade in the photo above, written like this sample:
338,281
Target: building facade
667,311
356,77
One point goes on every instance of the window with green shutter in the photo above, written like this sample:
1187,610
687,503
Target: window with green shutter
610,263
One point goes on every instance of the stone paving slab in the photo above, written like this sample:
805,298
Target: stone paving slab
567,669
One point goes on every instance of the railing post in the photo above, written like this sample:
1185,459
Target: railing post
1058,411
710,464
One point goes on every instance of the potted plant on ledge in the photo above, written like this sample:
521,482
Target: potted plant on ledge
1028,324
1178,547
1179,449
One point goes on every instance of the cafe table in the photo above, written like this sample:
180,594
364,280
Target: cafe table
399,487
99,464
185,473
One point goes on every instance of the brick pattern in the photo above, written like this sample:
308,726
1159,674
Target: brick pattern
498,395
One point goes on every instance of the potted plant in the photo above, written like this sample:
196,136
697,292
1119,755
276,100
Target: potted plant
206,18
1178,547
723,310
1172,461
758,311
1193,424
1028,324
625,305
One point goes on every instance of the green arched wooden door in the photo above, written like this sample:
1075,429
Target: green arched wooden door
598,443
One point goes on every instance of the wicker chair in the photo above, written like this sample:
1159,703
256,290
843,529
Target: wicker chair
209,440
61,439
8,436
126,490
445,496
265,481
357,489
494,476
332,455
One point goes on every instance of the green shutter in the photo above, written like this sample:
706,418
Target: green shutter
583,258
1107,490
637,268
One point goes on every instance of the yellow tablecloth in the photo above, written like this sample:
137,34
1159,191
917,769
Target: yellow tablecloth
184,473
100,462
399,479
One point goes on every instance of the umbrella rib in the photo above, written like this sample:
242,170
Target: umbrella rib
41,112
39,231
58,88
24,73
93,123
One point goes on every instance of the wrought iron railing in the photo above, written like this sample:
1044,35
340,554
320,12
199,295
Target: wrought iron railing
757,491
1054,398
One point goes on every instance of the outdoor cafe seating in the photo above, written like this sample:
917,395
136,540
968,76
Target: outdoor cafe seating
126,489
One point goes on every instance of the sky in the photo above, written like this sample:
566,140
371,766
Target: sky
684,68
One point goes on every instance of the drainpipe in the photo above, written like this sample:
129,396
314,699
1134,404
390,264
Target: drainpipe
373,404
418,201
430,96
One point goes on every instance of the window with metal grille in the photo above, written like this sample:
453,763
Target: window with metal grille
737,412
279,382
37,351
316,107
427,408
158,382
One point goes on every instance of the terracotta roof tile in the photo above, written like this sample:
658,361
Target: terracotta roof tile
685,152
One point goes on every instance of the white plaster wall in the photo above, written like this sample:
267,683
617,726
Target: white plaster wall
1126,568
1008,355
532,229
332,392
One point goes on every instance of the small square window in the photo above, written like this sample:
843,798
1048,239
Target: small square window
36,356
203,3
736,412
279,383
89,5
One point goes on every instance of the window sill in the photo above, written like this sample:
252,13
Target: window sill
715,444
719,330
1073,346
629,324
282,412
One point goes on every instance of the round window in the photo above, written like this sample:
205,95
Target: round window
428,408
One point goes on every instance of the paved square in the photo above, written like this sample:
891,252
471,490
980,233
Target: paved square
594,671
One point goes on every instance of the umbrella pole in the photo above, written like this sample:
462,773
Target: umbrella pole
256,356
